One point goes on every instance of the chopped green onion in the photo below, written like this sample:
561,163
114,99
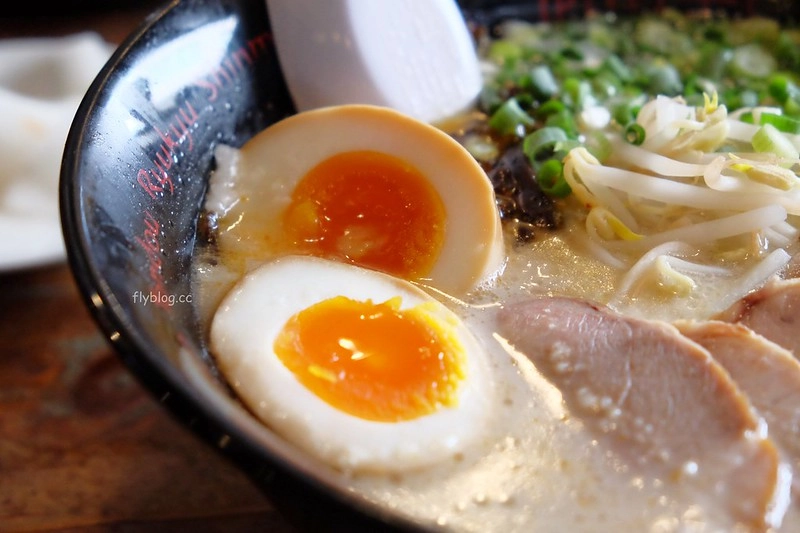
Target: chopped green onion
481,147
550,178
571,52
780,87
504,52
618,68
623,112
781,122
601,34
510,119
549,108
664,79
541,143
565,120
747,118
606,84
768,139
653,34
787,51
752,61
783,89
491,98
753,29
714,60
566,146
525,100
543,83
578,93
634,133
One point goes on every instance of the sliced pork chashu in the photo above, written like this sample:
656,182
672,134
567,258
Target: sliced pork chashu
659,400
772,311
767,373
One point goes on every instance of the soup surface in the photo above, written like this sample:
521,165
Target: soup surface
645,186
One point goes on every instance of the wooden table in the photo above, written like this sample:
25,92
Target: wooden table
83,447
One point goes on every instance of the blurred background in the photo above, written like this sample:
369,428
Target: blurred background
83,447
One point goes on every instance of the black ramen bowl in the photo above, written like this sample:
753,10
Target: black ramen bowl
198,73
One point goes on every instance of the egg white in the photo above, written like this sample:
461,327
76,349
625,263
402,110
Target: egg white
242,334
253,185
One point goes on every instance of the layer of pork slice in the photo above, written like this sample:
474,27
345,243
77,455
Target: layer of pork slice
657,399
772,311
766,372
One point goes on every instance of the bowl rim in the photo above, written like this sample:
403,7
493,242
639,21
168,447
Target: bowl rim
165,382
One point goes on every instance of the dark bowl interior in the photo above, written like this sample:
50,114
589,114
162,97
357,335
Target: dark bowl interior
197,73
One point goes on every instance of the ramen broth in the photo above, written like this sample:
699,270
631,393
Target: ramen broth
536,466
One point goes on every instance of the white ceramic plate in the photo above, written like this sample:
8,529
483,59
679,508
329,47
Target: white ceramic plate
42,81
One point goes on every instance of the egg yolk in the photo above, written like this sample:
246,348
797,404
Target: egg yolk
373,360
371,209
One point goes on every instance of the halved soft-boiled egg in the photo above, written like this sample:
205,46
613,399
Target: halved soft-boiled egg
361,184
359,368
